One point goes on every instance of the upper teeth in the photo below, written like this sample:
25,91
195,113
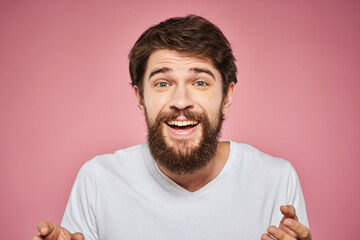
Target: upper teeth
182,123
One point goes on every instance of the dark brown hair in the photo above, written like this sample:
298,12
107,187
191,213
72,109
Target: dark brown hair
191,34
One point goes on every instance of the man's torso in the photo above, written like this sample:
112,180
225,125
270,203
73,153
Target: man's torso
125,196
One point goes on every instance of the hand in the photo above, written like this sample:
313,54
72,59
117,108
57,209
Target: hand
52,231
289,228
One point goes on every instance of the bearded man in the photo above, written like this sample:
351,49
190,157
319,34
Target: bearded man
183,184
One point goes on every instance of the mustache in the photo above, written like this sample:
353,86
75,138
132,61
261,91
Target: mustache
167,116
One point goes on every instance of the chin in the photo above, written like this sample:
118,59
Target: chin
183,146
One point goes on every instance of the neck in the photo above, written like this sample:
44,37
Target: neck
195,181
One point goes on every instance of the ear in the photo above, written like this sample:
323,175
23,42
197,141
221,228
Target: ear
228,98
139,100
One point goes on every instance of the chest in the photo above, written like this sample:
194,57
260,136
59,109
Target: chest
147,212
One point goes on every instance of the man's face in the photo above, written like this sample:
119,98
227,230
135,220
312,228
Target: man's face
182,103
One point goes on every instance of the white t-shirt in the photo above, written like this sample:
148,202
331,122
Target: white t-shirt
125,196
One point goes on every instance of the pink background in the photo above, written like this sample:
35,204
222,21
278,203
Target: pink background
65,97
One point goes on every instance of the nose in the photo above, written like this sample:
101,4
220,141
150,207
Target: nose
181,98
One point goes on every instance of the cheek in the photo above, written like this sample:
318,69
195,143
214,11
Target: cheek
212,103
150,114
153,106
213,108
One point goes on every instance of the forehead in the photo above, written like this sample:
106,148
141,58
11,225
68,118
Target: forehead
175,59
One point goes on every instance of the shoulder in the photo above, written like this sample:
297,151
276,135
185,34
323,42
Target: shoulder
121,160
253,159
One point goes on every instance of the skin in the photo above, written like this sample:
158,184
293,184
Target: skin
52,231
178,86
181,87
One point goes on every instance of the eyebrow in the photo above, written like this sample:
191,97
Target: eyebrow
195,70
202,70
160,70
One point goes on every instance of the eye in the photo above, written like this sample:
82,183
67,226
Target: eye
162,84
201,84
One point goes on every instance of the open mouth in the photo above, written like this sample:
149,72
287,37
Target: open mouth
182,125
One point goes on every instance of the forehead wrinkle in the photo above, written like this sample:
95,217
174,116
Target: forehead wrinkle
160,62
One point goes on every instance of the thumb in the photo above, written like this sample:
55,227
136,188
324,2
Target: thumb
77,236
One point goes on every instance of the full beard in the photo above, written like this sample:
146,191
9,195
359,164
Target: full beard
183,157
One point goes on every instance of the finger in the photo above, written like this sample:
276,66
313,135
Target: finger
37,238
288,212
45,228
302,231
287,230
266,236
77,236
279,234
64,234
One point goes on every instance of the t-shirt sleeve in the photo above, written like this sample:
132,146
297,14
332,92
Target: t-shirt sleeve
295,196
80,212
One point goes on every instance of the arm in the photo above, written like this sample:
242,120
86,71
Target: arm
294,223
80,213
